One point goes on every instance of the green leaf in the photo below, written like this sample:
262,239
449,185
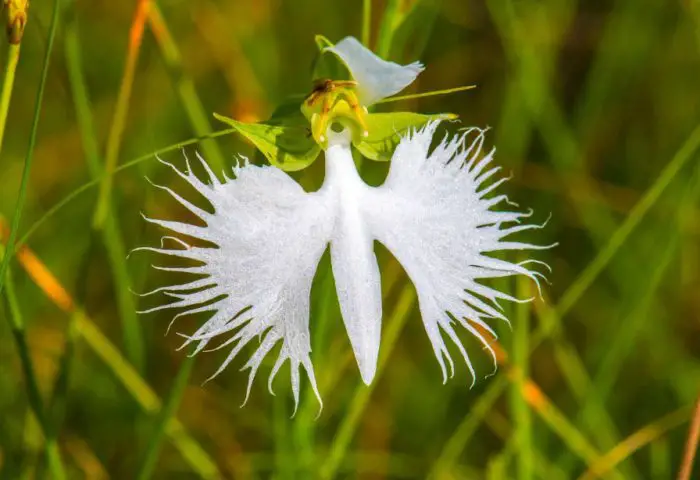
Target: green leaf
285,141
386,129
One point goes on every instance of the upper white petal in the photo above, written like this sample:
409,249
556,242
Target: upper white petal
432,214
269,236
376,78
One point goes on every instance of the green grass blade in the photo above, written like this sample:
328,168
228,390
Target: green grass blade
390,22
36,403
109,231
346,431
166,414
687,152
366,22
521,359
454,446
7,86
30,148
121,109
199,119
198,459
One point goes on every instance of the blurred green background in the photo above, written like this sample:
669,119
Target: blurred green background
594,108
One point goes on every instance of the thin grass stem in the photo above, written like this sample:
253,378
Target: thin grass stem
691,445
36,404
199,119
390,21
21,197
7,85
521,354
366,22
164,417
432,93
116,130
109,228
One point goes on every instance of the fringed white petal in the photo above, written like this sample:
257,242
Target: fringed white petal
376,78
269,236
432,214
353,260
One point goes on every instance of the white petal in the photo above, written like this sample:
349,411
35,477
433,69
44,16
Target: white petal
376,78
269,236
431,214
353,260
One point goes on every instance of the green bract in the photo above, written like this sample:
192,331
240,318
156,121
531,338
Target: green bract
284,141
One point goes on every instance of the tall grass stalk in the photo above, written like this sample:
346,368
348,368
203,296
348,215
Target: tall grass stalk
7,84
366,22
196,113
36,404
164,417
9,251
691,445
521,359
116,131
108,227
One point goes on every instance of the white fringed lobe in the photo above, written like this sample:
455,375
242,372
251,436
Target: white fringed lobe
434,212
270,236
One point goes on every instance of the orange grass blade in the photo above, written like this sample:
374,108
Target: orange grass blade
122,106
691,445
634,442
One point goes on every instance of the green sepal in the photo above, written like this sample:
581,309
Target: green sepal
285,141
386,129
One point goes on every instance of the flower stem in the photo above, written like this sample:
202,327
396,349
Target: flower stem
7,84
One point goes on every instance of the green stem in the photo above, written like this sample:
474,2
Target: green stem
347,428
366,21
7,84
166,414
426,94
36,404
521,411
30,149
390,22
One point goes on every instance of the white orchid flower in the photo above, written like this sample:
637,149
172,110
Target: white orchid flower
436,213
373,80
